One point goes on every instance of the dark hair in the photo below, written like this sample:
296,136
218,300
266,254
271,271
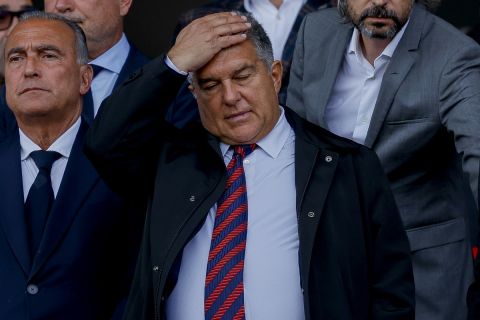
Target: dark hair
80,40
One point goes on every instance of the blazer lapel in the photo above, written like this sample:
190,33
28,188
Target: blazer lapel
335,58
135,60
12,216
78,180
402,61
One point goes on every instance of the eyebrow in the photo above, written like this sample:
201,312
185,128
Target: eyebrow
234,73
39,48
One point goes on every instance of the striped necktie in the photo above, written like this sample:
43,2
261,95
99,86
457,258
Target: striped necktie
224,277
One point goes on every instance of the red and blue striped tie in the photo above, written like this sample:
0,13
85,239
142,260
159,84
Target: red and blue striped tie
224,278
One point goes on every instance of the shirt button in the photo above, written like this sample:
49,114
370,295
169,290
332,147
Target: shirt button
246,161
328,158
311,214
32,289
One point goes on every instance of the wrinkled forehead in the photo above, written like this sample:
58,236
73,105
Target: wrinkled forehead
35,31
228,61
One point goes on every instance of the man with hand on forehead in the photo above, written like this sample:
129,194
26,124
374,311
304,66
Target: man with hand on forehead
247,217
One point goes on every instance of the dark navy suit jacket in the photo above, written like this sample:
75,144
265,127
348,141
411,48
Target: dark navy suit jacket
87,252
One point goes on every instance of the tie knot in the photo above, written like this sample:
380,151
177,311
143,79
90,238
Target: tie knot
44,159
96,69
243,150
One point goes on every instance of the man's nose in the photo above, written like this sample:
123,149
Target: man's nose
58,6
231,95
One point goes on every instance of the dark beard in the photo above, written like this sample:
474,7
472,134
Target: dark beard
379,12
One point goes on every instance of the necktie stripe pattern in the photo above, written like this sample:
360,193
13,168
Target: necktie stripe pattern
224,277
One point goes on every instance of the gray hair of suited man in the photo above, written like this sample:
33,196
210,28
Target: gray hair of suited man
429,4
259,38
80,39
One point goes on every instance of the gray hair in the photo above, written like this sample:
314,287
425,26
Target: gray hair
80,40
259,38
431,5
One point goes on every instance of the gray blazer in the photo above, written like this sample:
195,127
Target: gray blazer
426,131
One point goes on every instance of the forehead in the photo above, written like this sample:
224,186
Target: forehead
41,31
14,4
229,60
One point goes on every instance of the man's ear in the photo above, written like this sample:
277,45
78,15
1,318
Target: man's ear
192,90
125,6
86,76
277,72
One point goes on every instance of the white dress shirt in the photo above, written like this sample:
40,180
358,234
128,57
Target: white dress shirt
354,95
271,271
62,145
112,62
277,22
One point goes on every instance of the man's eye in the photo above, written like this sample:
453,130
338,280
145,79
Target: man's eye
49,56
14,58
209,86
242,77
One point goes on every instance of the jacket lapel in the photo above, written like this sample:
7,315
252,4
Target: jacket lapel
335,58
402,61
135,60
315,167
78,180
12,216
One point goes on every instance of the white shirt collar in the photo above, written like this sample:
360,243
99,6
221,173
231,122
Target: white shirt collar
355,48
114,58
62,145
248,4
274,141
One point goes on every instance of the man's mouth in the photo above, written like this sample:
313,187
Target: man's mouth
238,116
32,89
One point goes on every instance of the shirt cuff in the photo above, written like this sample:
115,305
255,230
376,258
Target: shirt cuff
170,64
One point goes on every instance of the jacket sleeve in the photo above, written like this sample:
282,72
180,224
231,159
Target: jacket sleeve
392,283
125,138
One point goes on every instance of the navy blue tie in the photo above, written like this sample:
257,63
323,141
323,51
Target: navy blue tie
40,197
224,277
88,108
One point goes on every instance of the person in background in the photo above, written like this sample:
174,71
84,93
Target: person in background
378,72
247,214
66,239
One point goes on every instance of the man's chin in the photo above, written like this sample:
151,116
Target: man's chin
378,33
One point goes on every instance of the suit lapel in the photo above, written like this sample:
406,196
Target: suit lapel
78,180
12,216
135,60
402,61
335,58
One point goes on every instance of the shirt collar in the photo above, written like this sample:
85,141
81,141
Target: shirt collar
248,4
114,58
62,145
274,141
354,46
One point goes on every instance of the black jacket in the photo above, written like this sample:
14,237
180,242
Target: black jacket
354,255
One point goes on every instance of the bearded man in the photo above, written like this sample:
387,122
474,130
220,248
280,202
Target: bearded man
392,76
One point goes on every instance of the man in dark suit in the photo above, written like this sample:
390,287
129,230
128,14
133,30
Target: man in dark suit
389,82
325,240
109,52
184,109
67,242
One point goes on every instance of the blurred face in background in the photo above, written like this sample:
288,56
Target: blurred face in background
101,20
9,12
